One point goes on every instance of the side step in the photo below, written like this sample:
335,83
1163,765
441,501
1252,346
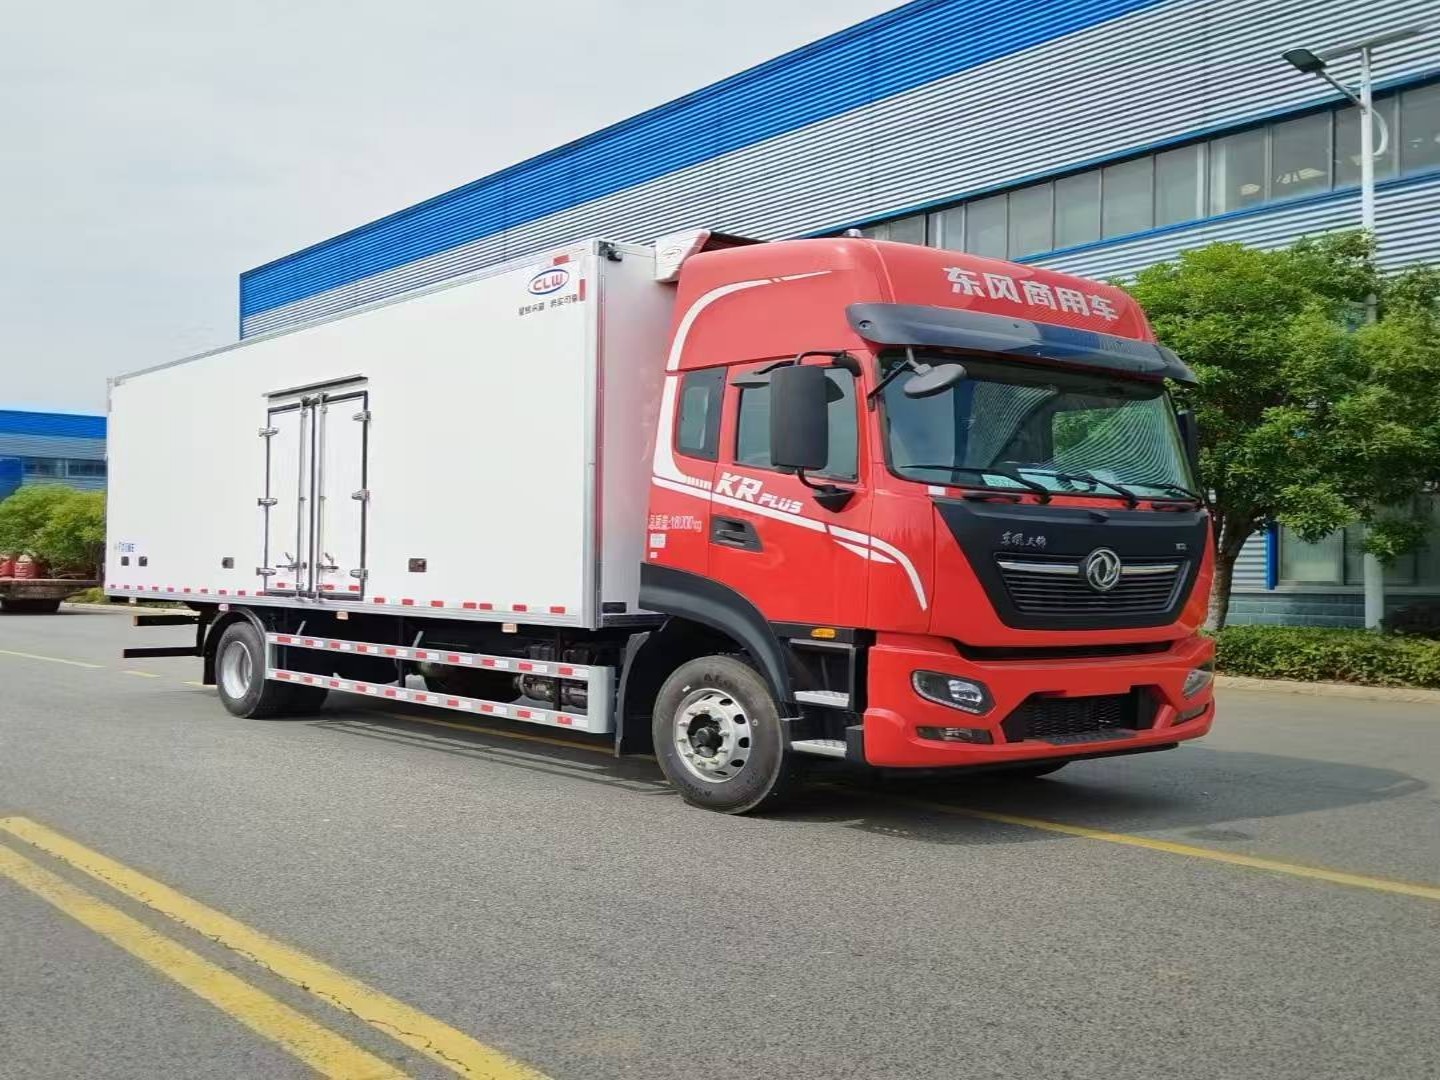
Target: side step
474,706
820,747
598,718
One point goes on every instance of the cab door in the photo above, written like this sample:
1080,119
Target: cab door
769,539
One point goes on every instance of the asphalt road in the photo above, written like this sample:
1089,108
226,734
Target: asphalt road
567,910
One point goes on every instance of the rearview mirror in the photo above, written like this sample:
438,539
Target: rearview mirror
799,417
1190,438
934,380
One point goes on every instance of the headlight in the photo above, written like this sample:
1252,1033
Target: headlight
1198,679
967,695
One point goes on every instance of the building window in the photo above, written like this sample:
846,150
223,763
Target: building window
1030,215
1287,159
1237,171
1347,143
752,429
1338,559
1127,197
947,228
1420,129
42,466
1300,156
1180,185
83,467
1077,209
698,432
986,229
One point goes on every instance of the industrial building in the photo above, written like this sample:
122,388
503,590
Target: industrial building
51,448
1095,137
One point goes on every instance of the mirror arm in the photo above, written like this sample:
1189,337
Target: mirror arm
831,496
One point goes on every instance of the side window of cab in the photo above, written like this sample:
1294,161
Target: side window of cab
752,428
697,427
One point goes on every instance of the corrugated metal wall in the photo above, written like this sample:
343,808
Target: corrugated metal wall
1407,220
1250,565
935,101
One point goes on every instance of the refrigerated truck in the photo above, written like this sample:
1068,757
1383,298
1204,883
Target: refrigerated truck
750,506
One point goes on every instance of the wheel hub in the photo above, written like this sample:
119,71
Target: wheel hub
712,735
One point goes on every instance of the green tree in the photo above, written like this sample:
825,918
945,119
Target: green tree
60,525
25,513
73,539
1308,415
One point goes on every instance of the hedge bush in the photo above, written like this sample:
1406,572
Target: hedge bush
1323,654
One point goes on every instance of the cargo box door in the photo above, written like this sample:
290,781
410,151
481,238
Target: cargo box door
285,563
341,426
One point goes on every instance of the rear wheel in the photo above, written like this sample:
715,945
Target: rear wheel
240,679
719,739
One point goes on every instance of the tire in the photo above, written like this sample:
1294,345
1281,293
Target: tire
710,714
240,679
1029,772
30,607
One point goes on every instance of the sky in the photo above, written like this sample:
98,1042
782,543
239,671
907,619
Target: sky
151,151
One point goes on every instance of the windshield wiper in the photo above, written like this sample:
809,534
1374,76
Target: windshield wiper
1041,491
1182,492
1131,499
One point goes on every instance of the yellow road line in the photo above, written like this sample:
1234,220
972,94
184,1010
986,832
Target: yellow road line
439,1041
1253,862
49,659
320,1048
141,674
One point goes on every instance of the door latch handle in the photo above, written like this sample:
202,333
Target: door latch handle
734,532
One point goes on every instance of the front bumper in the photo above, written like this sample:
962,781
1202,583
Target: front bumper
896,712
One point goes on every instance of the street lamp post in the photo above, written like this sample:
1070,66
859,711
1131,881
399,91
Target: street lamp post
1309,62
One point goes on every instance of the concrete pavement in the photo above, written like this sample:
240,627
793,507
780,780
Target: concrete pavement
569,911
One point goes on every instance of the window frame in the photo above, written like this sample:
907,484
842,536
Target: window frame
715,410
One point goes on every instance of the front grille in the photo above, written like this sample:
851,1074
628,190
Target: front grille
1056,585
1079,719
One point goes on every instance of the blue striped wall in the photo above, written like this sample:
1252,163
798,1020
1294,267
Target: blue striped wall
51,425
1096,81
877,59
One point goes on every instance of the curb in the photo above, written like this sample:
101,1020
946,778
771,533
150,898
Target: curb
1412,694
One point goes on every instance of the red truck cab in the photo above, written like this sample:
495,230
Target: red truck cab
940,506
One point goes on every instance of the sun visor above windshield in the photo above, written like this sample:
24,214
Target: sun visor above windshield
956,328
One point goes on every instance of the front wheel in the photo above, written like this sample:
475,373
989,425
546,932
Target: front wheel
719,739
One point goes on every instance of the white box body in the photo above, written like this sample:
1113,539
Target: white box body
478,450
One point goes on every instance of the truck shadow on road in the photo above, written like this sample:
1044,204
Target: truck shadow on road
1197,789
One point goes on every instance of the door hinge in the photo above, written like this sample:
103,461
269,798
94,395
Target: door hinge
360,575
363,495
363,416
265,571
266,502
266,432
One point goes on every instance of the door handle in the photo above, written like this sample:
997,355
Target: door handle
734,532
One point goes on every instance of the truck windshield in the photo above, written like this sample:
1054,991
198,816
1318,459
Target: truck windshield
1023,427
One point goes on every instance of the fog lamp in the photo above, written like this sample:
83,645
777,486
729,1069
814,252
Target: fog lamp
1198,679
967,695
955,734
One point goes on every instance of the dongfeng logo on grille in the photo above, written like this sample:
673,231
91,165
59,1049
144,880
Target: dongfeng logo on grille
548,281
1102,569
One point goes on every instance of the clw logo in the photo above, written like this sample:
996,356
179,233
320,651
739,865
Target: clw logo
548,281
